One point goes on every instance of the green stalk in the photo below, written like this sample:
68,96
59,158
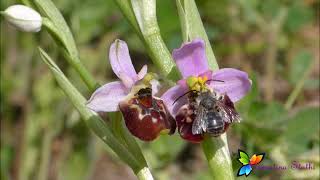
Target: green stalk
159,52
141,14
93,121
218,156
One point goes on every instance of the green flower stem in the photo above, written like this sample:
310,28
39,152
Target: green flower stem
159,52
93,121
141,14
218,156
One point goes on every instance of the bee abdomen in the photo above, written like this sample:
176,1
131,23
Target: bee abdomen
215,125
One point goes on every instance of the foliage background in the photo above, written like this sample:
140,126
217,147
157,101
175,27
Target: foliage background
41,132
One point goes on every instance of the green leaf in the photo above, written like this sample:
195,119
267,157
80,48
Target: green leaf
50,10
192,27
61,33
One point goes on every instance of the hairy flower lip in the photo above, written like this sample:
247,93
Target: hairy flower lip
146,117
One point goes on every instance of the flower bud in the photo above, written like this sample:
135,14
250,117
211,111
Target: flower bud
23,17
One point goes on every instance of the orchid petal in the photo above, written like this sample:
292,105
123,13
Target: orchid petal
107,97
191,58
120,60
126,80
143,72
171,95
236,84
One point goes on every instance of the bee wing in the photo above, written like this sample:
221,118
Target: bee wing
199,124
227,110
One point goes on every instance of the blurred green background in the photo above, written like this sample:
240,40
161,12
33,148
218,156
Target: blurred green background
275,41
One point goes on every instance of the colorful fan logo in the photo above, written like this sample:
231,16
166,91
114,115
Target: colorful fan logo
248,163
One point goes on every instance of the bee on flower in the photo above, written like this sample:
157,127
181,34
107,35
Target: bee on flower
203,100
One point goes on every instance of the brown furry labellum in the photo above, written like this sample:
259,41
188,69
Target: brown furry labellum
146,116
205,113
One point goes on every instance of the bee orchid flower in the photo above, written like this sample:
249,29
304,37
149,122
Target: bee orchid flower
107,97
192,63
145,115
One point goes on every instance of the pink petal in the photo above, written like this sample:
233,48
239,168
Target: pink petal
127,81
236,83
172,95
107,97
191,58
120,60
143,72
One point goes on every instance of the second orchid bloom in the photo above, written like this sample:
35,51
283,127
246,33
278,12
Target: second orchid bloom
145,116
201,102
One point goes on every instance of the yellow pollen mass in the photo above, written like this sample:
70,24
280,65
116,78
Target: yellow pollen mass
197,83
